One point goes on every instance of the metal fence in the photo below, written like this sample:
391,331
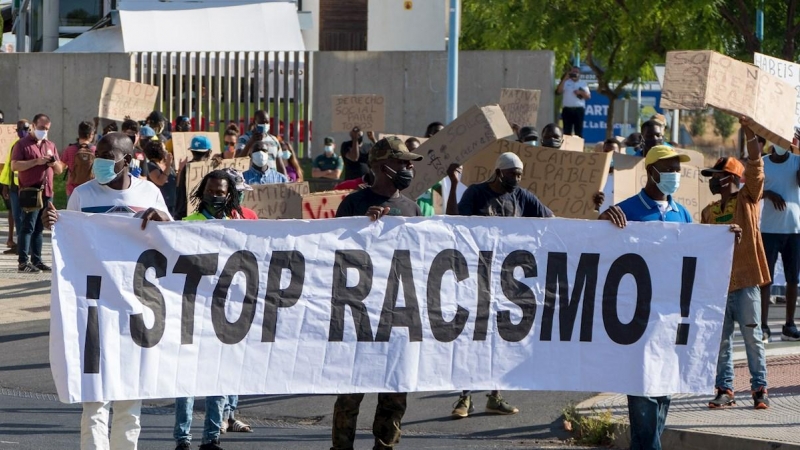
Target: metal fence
215,89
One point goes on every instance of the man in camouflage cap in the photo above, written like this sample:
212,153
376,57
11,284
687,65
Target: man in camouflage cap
391,163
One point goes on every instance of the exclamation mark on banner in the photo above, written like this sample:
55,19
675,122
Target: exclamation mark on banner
687,285
91,350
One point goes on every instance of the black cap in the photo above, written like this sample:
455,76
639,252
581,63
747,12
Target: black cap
527,134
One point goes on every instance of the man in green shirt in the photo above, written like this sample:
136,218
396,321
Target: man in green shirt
328,164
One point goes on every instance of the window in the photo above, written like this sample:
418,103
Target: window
80,13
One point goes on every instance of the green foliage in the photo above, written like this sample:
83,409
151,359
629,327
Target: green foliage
698,124
723,124
592,429
781,28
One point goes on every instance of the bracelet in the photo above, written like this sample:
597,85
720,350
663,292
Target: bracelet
752,140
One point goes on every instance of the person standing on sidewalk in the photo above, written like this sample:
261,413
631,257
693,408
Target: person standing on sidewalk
780,232
654,203
750,271
10,190
36,160
113,190
575,92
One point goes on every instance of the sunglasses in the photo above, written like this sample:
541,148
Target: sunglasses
24,129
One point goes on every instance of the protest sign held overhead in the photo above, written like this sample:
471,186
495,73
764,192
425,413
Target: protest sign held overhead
367,112
182,140
786,71
122,98
697,79
276,201
8,136
564,181
322,205
520,106
463,138
476,312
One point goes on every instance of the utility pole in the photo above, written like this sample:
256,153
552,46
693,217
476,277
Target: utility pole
452,62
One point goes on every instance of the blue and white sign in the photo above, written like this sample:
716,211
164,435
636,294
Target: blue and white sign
594,122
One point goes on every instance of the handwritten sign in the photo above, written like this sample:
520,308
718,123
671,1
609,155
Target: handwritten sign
121,98
572,143
276,201
465,137
8,136
521,106
786,71
367,112
197,170
564,181
322,205
697,79
182,140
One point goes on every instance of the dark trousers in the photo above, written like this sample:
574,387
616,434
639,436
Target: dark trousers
647,415
30,236
385,427
573,120
16,211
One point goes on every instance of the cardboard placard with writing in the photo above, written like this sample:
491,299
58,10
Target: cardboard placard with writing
786,71
465,137
367,112
521,106
323,205
697,159
628,176
564,181
182,140
8,136
121,98
697,79
276,201
197,170
404,137
572,143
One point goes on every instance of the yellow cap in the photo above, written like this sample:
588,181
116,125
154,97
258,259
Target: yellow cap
660,152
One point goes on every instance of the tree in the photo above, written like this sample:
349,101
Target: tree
723,124
781,28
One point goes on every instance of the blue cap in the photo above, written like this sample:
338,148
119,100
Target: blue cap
147,132
200,144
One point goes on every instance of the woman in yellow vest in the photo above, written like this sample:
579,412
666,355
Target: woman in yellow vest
10,181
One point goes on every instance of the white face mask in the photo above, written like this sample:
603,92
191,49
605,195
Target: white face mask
40,134
329,149
259,159
780,151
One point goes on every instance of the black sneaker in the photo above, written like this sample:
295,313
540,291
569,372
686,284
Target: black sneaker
213,445
760,399
723,399
790,333
27,268
765,333
44,267
184,445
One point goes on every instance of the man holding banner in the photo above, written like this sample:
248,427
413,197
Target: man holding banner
391,162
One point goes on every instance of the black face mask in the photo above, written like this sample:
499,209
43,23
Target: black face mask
574,76
214,203
401,178
509,184
715,185
199,156
552,142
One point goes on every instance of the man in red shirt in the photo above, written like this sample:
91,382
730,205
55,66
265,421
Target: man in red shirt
36,160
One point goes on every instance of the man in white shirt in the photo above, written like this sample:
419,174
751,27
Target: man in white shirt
780,232
113,190
575,92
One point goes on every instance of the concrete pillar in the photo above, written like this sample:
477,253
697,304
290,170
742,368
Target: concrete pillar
50,23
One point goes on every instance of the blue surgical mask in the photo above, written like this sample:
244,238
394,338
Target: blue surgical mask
670,182
286,154
103,170
630,151
780,151
259,159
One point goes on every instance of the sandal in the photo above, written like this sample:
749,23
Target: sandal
237,426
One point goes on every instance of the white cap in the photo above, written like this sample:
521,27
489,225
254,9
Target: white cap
507,161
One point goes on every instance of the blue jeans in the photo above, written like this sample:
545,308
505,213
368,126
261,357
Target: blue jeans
647,415
16,211
30,235
183,419
744,308
231,402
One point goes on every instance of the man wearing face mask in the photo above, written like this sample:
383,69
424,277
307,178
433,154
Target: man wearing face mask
183,124
741,207
575,92
36,159
780,232
259,133
113,190
634,145
499,196
552,136
652,135
391,162
648,415
10,191
260,172
160,125
328,164
355,155
200,147
528,135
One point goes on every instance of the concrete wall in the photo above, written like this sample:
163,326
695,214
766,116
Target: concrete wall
65,86
414,84
392,27
311,36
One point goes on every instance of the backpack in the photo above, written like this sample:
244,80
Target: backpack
81,170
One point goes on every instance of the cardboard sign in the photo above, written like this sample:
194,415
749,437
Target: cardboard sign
697,159
121,98
322,205
276,201
564,181
786,71
572,143
697,79
465,137
8,136
367,112
181,142
404,137
197,170
521,106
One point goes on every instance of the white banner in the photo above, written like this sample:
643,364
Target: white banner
345,305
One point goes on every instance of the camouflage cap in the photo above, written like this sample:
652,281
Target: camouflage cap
391,147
